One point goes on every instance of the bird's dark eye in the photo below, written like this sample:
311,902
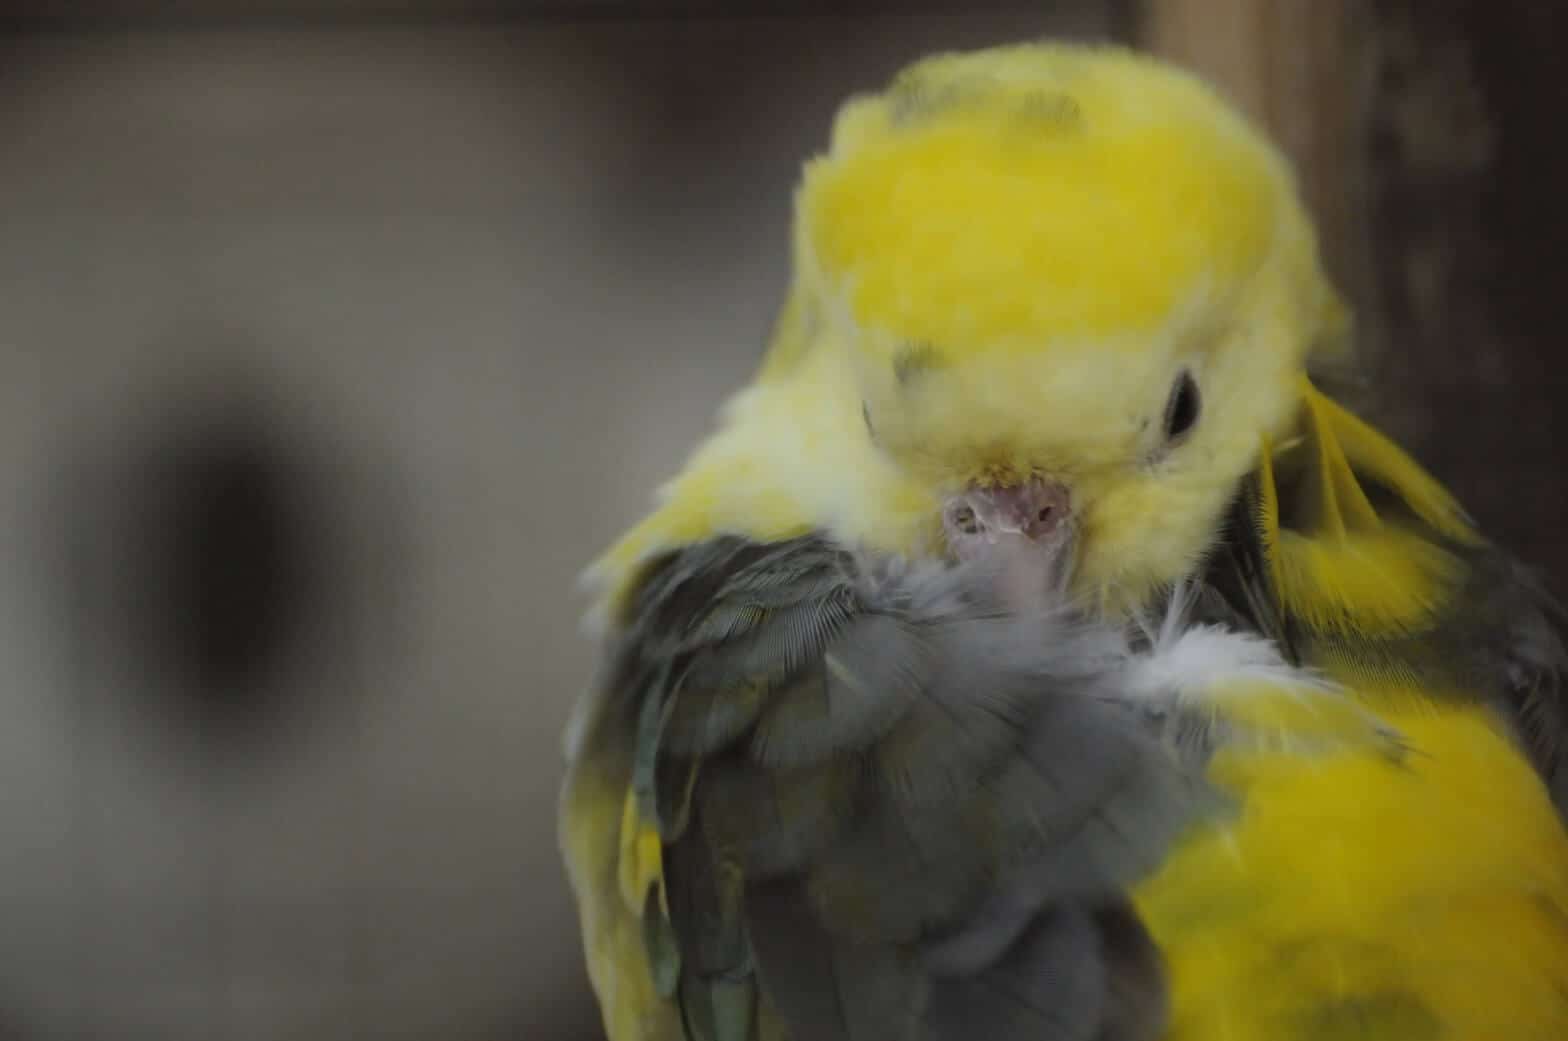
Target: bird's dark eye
1181,411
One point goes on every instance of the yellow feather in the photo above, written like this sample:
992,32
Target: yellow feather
1301,719
641,858
792,456
1426,898
1339,567
1368,451
593,809
1366,585
1335,502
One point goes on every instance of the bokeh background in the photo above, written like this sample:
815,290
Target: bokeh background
335,338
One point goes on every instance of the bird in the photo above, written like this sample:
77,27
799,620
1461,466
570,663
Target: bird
1037,649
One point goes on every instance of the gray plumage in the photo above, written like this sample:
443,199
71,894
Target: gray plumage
892,808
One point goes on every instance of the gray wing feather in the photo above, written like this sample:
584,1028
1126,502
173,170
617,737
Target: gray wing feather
1050,985
906,813
1535,671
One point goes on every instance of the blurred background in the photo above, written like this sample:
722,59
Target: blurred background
335,338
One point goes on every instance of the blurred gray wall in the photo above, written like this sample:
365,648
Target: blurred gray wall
328,356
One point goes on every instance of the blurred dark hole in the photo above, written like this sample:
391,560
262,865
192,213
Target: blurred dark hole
225,584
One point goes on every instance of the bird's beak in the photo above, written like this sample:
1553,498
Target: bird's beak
1026,531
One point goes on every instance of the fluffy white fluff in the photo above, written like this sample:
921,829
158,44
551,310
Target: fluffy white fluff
1192,662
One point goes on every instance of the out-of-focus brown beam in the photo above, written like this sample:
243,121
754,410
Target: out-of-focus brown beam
1299,68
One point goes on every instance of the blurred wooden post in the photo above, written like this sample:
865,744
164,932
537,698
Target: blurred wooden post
1298,68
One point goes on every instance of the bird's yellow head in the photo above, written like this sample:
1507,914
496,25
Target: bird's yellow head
1074,291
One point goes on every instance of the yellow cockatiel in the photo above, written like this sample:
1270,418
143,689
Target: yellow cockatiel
1035,653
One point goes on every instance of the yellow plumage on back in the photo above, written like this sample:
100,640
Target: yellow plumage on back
1367,899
